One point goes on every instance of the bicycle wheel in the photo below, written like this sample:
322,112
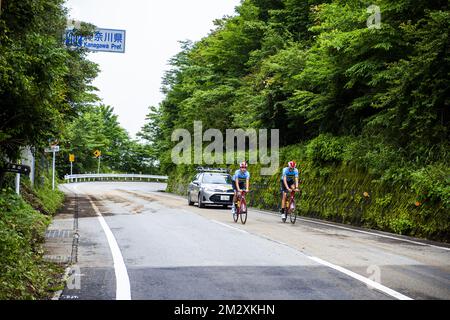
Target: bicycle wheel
236,213
292,213
243,211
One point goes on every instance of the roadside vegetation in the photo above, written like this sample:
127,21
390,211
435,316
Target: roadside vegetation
365,111
46,97
23,222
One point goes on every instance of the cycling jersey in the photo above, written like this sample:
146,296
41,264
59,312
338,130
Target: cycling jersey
241,176
290,175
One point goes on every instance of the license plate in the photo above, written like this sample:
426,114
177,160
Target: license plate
224,198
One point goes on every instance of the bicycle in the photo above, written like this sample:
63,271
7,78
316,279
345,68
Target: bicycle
241,208
291,208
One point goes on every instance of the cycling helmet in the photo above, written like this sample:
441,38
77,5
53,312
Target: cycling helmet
292,164
243,165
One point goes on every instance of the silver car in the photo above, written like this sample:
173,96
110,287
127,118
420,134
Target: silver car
211,187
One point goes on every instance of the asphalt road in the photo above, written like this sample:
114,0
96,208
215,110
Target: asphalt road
136,242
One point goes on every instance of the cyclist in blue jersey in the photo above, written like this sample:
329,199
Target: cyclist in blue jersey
289,183
240,181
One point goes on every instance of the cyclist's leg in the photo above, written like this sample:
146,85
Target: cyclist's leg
283,200
242,187
283,197
291,186
233,206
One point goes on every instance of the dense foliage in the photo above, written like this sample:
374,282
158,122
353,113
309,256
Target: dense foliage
42,83
372,98
46,95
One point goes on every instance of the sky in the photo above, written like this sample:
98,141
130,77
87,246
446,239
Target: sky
130,82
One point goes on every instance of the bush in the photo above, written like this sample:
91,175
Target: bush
24,274
432,184
327,149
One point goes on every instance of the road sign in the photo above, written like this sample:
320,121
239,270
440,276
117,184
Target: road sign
52,149
106,40
71,157
17,168
97,153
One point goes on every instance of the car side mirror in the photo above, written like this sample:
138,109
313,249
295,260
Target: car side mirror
195,182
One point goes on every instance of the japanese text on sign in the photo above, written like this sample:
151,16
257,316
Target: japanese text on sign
107,40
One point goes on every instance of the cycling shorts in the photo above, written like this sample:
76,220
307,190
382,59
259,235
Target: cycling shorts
241,185
290,182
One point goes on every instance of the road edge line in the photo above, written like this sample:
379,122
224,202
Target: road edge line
123,291
228,226
376,285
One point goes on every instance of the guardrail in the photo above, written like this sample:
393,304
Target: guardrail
112,177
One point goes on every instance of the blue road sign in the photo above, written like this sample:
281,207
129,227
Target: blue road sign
106,40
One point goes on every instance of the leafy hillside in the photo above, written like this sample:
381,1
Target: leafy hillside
346,98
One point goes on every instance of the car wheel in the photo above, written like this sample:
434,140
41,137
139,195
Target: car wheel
190,202
200,202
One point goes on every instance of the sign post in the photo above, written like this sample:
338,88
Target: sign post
98,154
71,159
17,169
53,149
18,182
32,167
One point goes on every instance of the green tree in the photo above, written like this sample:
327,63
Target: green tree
42,83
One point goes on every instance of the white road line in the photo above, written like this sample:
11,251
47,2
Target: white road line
228,226
347,272
362,231
354,275
123,291
365,280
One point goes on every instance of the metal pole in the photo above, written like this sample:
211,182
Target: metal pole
71,166
18,183
98,170
53,171
32,166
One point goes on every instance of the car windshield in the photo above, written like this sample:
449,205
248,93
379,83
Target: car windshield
215,178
